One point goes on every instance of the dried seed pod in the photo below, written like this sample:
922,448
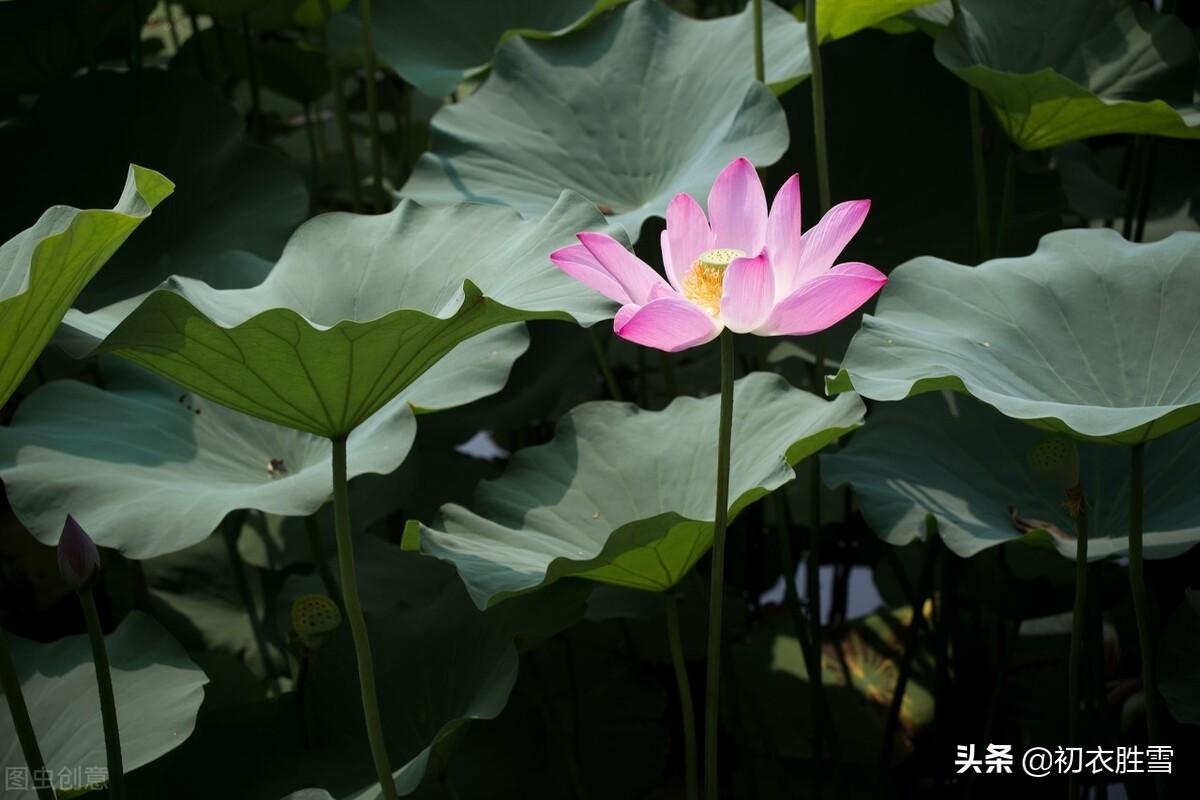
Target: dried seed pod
314,618
1056,459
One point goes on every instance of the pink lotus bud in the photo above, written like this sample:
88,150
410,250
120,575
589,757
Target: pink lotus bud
78,559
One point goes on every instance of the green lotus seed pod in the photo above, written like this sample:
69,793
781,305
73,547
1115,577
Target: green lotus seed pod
1056,459
314,618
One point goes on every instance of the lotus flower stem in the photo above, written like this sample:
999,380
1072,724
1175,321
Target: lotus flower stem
610,380
343,119
358,626
818,100
1077,622
675,641
1141,609
760,69
108,705
11,684
364,10
717,587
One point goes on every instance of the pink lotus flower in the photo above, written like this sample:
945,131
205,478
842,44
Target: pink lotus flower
740,268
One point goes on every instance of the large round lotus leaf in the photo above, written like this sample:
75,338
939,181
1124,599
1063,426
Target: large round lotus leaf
1073,69
1179,661
43,269
435,45
181,463
357,308
1090,335
837,19
235,205
631,110
971,471
158,692
626,496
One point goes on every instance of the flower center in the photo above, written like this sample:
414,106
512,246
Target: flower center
705,280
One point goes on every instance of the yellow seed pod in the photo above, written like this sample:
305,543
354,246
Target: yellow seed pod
314,618
1056,459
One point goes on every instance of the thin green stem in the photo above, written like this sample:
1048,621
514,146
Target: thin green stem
688,714
1078,616
813,582
364,10
343,118
1133,189
108,705
818,102
232,527
256,118
358,626
172,31
10,682
1007,199
310,135
1143,210
760,69
610,380
812,585
983,233
787,557
1141,608
716,592
312,527
910,642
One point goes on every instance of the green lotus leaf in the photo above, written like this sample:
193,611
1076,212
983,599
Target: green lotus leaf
1093,67
158,692
970,470
557,114
1179,661
625,496
435,45
43,269
1090,335
182,463
236,202
837,19
357,308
